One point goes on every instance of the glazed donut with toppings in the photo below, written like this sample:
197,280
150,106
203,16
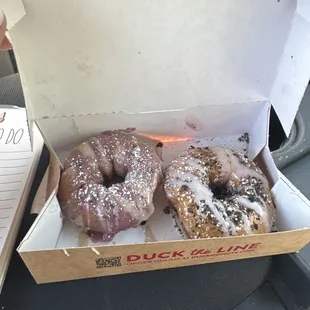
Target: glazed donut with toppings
84,196
218,192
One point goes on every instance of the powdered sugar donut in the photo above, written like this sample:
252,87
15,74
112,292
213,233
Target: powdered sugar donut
218,192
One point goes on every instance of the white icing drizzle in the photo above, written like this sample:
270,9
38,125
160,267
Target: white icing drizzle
201,192
255,206
231,224
246,224
241,170
251,205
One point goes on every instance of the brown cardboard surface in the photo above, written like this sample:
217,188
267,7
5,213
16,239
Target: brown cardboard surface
47,186
40,197
53,176
77,263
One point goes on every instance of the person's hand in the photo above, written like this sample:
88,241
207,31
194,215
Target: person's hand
4,42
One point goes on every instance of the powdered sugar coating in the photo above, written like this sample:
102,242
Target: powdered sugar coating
85,199
219,192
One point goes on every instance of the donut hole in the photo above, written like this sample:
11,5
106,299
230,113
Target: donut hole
220,191
115,179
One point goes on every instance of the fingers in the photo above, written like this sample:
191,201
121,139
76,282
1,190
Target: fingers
2,26
5,45
4,42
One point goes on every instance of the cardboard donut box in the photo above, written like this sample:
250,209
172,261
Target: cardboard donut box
178,72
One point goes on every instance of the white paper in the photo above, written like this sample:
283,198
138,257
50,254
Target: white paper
16,163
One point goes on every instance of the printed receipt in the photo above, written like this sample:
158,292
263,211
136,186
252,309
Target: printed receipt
16,165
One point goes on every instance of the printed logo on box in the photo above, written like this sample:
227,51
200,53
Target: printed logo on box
186,254
160,257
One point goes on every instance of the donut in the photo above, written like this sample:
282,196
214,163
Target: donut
87,195
218,192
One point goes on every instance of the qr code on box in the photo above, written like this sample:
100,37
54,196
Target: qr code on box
108,262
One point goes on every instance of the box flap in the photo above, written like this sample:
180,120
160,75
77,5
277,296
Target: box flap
139,56
294,69
293,208
14,11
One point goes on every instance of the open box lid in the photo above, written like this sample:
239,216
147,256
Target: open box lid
95,57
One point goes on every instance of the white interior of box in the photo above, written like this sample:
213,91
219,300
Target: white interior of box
61,233
197,122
